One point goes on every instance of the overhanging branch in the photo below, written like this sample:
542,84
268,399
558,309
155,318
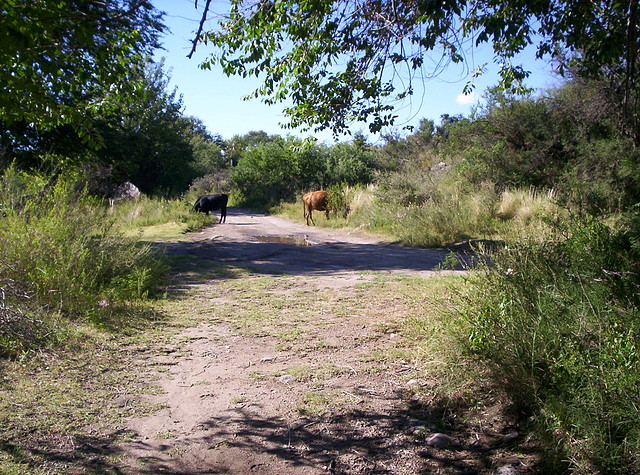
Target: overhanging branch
194,43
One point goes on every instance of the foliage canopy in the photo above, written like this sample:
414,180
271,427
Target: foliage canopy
344,61
55,56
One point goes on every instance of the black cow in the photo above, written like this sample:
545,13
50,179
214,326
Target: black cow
207,203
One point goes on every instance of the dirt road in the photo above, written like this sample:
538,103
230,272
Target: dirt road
288,370
272,245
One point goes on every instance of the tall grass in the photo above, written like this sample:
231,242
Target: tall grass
526,204
62,260
559,322
440,209
158,216
435,212
456,217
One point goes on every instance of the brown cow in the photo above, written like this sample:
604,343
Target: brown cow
315,200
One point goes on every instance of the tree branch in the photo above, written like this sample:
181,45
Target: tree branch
194,43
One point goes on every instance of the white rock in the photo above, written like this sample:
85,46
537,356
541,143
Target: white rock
286,379
506,470
440,441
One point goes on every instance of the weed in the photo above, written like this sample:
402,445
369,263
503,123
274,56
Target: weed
315,404
82,269
257,376
558,320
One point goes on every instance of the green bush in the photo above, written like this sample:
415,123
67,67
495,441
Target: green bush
337,200
349,164
274,171
559,321
572,140
209,184
63,259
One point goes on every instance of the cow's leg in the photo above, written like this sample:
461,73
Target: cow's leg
223,214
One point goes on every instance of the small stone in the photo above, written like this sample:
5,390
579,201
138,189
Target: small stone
440,441
287,379
506,470
419,430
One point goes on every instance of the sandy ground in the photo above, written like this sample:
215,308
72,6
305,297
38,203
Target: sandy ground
228,405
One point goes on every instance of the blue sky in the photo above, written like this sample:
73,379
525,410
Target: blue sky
218,100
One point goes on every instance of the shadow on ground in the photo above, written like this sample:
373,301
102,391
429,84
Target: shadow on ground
360,441
319,259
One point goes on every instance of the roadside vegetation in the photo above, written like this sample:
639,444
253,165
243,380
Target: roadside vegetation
549,184
555,315
64,263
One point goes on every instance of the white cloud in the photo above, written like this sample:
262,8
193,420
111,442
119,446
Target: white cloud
466,99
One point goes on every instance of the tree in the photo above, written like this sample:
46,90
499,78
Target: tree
276,170
57,57
344,61
349,163
147,139
240,143
208,150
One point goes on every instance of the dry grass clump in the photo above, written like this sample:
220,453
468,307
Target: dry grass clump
526,204
359,197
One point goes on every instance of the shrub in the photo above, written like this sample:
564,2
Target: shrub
277,170
209,184
349,163
573,141
337,201
559,322
63,259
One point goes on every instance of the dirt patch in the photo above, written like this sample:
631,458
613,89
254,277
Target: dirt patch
288,370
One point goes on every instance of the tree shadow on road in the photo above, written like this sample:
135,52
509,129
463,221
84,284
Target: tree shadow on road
354,441
215,259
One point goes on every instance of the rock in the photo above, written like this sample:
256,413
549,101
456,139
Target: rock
419,430
440,441
509,469
126,191
286,379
